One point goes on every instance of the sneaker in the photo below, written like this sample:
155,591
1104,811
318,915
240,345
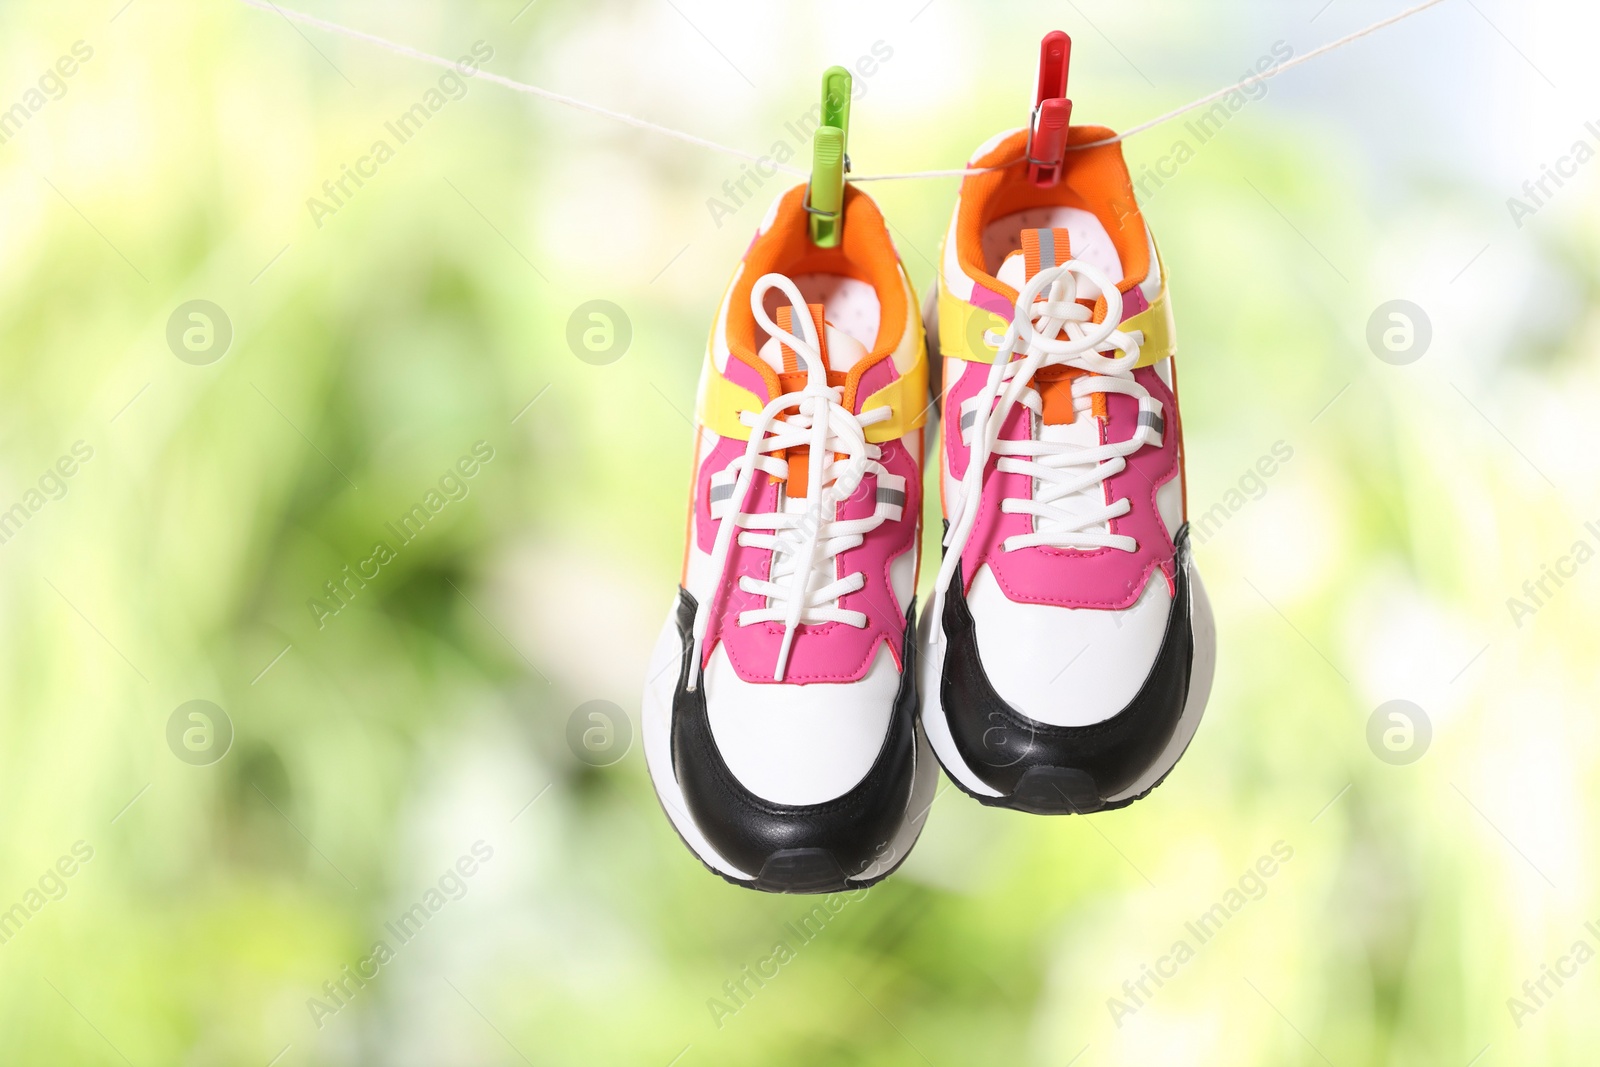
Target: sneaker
1071,646
780,714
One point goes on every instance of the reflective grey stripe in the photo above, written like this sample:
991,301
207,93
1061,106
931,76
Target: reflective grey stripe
891,496
1153,420
968,418
719,493
1047,249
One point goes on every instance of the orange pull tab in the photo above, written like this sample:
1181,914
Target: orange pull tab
1041,250
791,359
795,378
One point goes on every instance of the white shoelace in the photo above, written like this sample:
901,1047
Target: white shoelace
803,544
1060,472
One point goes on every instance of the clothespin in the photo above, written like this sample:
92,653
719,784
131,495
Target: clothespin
830,160
1052,111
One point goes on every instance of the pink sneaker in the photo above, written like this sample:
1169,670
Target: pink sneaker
1070,649
780,716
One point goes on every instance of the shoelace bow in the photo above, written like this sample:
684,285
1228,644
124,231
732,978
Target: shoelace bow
1058,470
802,545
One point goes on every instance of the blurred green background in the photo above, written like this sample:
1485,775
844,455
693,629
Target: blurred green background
162,905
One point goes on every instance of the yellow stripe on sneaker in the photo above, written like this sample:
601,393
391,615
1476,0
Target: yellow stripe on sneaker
720,401
962,326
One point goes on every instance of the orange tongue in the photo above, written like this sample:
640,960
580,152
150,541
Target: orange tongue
793,378
1042,249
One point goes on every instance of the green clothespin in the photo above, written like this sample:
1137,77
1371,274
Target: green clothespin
830,160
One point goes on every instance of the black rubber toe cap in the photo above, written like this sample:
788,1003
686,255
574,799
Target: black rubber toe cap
811,848
1063,769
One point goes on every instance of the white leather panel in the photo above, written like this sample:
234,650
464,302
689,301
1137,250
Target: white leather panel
800,744
1067,666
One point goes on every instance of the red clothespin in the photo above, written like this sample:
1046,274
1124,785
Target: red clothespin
1052,111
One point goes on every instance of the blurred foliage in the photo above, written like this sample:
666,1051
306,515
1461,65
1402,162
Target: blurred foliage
375,747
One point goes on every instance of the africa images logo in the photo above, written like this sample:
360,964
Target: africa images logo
452,85
51,486
1537,592
1553,177
453,487
737,192
451,886
1251,886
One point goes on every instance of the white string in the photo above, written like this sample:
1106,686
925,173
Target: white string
739,153
1176,112
1252,79
521,87
960,172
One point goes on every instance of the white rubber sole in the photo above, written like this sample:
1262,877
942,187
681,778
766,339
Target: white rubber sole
1202,672
656,713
